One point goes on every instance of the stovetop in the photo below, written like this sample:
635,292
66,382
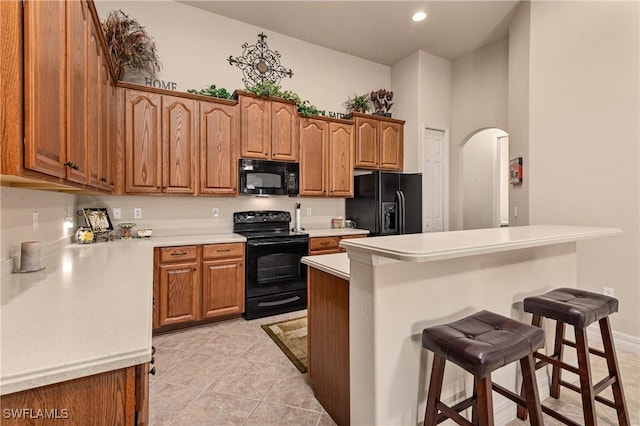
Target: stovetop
264,224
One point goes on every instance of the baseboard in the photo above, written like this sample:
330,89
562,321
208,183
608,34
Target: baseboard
624,342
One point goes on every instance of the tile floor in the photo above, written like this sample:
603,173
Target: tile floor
231,373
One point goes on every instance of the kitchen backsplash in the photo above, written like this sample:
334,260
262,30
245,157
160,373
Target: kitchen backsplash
168,215
18,207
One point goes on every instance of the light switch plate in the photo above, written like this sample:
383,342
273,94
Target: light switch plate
117,213
137,213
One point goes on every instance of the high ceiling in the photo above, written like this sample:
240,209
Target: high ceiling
381,31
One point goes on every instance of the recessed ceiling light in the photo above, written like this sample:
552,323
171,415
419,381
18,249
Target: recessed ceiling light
419,16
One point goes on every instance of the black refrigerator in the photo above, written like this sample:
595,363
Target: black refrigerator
387,203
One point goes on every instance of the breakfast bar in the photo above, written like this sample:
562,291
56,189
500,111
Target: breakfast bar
399,285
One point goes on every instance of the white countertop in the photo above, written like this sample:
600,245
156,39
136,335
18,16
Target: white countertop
335,264
88,312
335,232
448,245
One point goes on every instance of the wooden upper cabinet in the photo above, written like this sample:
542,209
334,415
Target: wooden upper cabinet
367,144
106,178
378,142
143,154
179,145
340,163
391,145
269,129
219,129
45,87
94,107
77,149
285,132
313,146
255,116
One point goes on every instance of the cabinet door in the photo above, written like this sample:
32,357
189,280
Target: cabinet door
45,87
219,128
313,142
222,287
106,141
391,150
179,293
255,138
284,132
77,153
94,107
340,164
367,144
179,145
143,156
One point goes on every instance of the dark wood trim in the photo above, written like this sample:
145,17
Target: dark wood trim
202,98
351,115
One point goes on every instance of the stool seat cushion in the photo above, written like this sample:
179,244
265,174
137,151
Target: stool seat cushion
483,342
572,306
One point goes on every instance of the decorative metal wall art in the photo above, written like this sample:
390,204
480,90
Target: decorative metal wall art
260,64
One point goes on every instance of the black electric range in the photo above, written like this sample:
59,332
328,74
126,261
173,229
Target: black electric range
275,279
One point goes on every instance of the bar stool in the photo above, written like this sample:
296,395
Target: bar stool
578,308
480,344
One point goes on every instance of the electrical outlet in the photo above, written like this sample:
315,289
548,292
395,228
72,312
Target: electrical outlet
117,213
308,211
215,212
608,291
36,221
137,213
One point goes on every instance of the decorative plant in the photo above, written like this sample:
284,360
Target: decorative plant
212,91
129,45
382,101
269,89
359,103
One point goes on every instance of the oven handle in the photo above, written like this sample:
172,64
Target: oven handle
279,302
276,241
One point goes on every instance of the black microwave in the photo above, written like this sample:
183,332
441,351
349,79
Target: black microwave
260,177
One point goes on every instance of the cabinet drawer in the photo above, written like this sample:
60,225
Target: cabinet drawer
221,251
175,254
323,243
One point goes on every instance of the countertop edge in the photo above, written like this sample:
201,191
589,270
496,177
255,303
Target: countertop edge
444,254
35,379
332,267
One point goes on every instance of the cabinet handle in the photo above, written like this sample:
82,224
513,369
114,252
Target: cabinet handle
152,371
153,350
324,243
153,360
103,180
194,269
223,250
72,165
179,253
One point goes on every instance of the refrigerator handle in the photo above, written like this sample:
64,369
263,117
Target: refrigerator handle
401,210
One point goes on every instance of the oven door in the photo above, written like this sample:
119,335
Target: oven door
273,265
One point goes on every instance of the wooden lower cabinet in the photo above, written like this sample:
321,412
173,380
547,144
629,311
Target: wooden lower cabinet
328,343
115,397
194,284
329,245
222,280
179,285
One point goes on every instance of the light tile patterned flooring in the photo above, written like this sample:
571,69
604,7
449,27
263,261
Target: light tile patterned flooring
231,373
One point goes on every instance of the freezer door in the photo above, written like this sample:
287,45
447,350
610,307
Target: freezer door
364,207
411,187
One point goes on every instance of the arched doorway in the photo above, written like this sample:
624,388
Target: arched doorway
485,179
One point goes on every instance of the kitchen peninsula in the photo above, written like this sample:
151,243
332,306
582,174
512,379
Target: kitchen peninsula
399,285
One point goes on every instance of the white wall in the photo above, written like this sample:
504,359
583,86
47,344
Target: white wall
407,92
192,215
519,111
16,219
584,138
479,171
479,101
194,45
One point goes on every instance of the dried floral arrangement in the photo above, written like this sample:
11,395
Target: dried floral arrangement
129,45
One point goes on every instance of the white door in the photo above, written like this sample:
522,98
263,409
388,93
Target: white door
433,180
